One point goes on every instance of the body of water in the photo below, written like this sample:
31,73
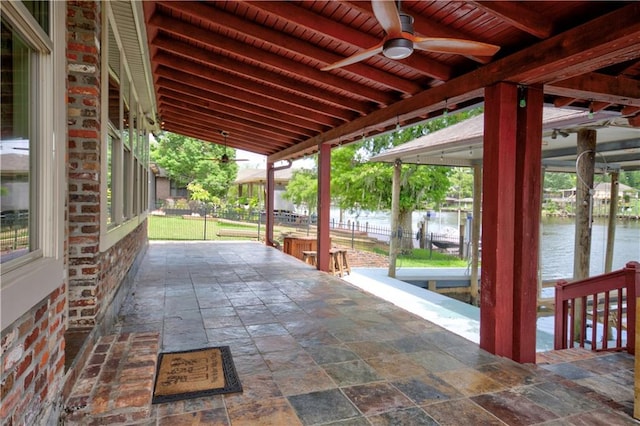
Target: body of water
557,241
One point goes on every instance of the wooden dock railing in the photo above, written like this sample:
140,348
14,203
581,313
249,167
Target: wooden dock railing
607,301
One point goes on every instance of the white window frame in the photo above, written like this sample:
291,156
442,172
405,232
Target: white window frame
27,280
126,218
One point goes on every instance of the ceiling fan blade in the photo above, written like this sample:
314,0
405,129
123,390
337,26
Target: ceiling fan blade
360,56
453,46
386,13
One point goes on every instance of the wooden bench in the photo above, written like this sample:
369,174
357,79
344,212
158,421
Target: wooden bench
237,233
310,257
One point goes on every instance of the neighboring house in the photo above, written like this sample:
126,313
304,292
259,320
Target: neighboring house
162,188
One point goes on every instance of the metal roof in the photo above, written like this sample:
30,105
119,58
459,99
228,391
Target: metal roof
618,144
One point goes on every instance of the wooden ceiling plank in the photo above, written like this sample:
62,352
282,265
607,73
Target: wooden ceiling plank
518,15
238,138
240,107
284,111
286,42
341,33
275,133
239,83
206,136
616,33
601,87
260,75
192,94
260,56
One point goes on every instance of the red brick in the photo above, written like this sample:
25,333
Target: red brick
31,338
24,365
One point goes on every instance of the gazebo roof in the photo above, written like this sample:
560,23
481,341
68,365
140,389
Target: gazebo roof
618,144
246,176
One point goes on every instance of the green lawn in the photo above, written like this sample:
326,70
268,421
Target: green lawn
178,228
421,258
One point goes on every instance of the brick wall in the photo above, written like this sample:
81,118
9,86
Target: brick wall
83,59
33,363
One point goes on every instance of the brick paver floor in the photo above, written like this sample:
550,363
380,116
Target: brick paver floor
311,349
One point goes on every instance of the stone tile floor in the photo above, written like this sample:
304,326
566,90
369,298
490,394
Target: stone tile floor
311,349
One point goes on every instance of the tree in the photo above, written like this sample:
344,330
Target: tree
357,183
190,161
302,189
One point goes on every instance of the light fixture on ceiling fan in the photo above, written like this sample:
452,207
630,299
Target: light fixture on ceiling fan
225,159
400,41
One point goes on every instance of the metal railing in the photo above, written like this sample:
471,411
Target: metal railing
205,223
605,303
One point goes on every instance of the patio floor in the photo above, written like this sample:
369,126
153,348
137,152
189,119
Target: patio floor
312,349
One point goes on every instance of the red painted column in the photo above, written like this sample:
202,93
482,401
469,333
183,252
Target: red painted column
324,206
269,203
498,213
527,223
512,179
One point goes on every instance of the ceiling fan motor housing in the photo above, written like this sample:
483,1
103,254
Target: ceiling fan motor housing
400,48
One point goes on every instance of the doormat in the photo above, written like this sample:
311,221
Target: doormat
195,373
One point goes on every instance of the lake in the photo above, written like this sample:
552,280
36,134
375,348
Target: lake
557,239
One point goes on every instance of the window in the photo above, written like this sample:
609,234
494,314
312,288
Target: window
32,150
125,152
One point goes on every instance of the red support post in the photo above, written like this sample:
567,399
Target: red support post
498,212
632,277
324,206
527,190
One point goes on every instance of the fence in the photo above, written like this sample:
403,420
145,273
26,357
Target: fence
14,232
209,224
605,304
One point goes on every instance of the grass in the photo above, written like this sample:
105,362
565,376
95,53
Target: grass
177,228
421,258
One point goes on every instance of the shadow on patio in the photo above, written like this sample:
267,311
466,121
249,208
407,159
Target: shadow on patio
311,348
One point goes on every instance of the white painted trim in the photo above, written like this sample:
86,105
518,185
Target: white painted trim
28,282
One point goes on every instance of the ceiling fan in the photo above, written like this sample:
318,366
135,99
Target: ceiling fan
400,41
225,159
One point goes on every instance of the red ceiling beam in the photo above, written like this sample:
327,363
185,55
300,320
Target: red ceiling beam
228,21
242,84
209,136
175,91
223,121
217,101
615,90
263,77
234,96
238,137
267,60
604,41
